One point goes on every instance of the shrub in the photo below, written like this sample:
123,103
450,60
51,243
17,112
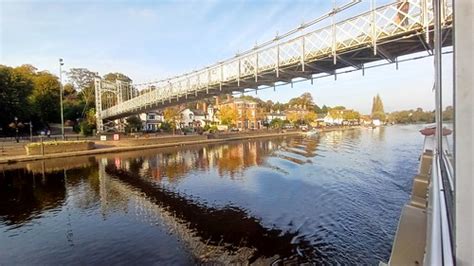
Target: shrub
86,129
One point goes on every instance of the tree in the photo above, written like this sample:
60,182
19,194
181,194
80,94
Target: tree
276,123
377,108
117,76
45,97
305,99
324,109
171,115
448,113
351,115
309,117
15,88
293,117
134,124
83,81
228,115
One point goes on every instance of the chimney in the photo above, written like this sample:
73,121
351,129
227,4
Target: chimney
198,106
218,99
229,98
204,107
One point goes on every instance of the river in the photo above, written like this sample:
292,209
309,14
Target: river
333,198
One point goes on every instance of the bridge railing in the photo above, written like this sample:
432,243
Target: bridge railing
378,25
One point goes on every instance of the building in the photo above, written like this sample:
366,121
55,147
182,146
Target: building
298,113
193,118
152,120
248,114
334,117
275,115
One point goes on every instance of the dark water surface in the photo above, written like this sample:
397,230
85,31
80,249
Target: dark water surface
334,198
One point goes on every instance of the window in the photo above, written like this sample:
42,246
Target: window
151,117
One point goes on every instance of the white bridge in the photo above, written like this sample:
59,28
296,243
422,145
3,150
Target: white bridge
382,33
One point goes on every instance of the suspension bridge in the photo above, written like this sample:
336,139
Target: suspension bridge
382,33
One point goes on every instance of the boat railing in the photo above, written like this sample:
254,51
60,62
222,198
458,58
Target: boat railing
439,250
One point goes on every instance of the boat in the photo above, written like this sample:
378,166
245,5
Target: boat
312,132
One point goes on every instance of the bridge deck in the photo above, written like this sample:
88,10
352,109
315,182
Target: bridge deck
384,33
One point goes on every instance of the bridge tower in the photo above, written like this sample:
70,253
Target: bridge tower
108,94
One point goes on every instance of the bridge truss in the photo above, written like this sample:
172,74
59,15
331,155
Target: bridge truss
382,33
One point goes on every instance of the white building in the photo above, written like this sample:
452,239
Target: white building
276,115
332,119
152,120
193,118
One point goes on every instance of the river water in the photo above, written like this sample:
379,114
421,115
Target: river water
333,198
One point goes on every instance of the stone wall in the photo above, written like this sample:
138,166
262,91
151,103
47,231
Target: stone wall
58,147
153,140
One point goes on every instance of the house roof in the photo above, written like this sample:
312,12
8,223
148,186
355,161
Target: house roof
198,112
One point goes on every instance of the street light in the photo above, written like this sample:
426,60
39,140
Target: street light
61,95
16,125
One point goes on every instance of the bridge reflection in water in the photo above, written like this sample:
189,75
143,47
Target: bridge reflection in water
224,235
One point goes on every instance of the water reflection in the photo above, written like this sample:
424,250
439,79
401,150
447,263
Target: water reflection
23,199
334,198
224,235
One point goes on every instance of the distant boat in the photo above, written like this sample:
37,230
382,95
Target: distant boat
312,132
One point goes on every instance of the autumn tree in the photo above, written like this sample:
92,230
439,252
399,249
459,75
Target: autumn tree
171,116
117,76
305,99
228,115
309,117
351,115
377,108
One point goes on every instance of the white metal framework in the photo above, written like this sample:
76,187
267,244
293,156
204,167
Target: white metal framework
386,32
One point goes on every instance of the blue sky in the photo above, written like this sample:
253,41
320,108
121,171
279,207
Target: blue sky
149,40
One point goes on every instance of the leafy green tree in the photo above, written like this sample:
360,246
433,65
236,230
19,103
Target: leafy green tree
377,108
15,87
45,97
134,124
448,114
276,123
324,109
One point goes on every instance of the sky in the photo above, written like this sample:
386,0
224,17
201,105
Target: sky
151,40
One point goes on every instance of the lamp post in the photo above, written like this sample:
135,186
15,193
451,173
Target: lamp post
16,125
16,130
61,95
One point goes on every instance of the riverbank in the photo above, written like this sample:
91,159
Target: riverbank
129,144
102,147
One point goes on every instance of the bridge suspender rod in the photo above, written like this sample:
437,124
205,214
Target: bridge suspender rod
238,78
278,61
374,31
426,23
333,16
208,80
256,67
222,77
302,54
